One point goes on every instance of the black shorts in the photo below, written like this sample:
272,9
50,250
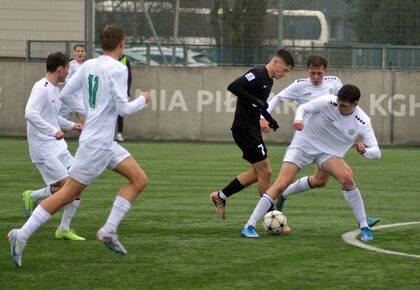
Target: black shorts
251,144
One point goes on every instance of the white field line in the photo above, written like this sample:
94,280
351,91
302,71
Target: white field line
351,238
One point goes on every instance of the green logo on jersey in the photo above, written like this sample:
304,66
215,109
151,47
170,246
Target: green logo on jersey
351,132
93,89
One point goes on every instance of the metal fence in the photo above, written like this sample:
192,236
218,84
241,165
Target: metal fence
352,56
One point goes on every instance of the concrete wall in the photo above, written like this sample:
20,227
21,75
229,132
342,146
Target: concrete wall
193,103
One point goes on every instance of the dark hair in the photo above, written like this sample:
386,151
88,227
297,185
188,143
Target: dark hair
286,56
79,45
349,93
55,60
110,37
316,60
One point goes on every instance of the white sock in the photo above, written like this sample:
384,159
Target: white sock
355,201
260,210
222,195
118,211
38,218
300,185
41,193
68,214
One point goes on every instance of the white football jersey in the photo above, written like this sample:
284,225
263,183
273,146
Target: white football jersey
73,67
328,131
103,83
43,122
303,91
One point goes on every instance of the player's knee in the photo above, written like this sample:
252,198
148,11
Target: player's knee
347,181
266,173
318,182
141,183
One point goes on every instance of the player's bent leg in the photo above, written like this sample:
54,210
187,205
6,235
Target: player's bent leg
130,169
69,192
343,173
264,172
303,184
286,176
248,178
319,179
240,182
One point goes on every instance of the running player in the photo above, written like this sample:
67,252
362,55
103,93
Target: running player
253,89
104,87
47,148
333,126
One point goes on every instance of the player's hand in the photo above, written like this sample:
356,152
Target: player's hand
298,125
360,147
59,135
271,122
78,127
146,96
265,128
274,125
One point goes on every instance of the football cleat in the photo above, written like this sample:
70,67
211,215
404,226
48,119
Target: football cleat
366,234
218,203
372,221
249,232
68,235
16,247
280,203
28,203
111,241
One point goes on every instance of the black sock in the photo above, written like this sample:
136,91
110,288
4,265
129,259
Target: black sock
233,187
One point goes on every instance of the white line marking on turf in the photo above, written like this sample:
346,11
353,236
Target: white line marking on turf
351,238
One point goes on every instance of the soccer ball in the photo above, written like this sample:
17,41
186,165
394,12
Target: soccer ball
275,222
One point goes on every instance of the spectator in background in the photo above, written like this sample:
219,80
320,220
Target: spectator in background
120,120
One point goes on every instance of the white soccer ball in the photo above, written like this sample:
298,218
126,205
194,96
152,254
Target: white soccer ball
275,222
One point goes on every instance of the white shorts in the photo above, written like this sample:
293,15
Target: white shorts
90,162
301,159
55,168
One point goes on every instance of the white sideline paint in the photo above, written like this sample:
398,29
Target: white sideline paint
350,237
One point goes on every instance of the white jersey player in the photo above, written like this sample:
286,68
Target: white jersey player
47,148
79,54
104,87
334,125
303,91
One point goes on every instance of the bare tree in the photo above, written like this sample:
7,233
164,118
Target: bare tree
238,30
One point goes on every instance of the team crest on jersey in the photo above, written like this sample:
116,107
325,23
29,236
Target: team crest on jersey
250,76
351,132
331,91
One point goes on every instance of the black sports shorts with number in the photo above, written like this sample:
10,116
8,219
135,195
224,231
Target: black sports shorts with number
251,144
